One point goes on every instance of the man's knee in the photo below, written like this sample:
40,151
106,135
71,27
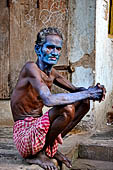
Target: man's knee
69,111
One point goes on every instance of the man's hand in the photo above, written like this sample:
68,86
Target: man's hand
97,93
103,91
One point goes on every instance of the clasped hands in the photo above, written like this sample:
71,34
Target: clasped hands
97,93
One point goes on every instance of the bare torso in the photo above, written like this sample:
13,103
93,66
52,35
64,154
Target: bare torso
25,101
32,92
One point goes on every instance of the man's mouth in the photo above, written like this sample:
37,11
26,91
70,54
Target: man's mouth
52,58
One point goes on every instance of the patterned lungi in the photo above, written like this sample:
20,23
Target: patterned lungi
29,136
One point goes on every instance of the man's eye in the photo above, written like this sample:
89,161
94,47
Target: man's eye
58,48
50,47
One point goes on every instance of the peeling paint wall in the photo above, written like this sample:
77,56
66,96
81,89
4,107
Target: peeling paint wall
104,61
82,37
6,118
82,23
82,43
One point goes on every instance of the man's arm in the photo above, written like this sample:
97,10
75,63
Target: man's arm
49,99
65,84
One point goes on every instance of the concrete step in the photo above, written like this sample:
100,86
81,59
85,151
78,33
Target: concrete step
86,164
97,147
102,152
9,166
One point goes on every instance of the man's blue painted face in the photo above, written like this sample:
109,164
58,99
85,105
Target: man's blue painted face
51,50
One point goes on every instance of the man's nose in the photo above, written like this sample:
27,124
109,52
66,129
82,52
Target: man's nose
54,51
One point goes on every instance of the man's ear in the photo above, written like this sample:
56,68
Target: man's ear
38,50
36,46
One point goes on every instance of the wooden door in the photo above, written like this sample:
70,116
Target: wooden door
4,50
27,17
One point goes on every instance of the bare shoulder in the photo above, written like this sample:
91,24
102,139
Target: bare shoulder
31,69
30,65
29,73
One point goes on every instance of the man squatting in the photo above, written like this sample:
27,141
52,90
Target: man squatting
37,135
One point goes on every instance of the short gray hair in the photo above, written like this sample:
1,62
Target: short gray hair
41,36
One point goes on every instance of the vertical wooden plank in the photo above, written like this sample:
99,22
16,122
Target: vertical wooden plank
23,30
4,50
111,24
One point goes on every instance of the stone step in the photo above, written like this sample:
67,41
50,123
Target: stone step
97,147
86,164
9,166
96,152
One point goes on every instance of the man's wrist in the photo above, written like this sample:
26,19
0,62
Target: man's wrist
81,89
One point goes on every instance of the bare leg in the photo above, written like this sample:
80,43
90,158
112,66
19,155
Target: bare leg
59,119
81,110
62,159
63,119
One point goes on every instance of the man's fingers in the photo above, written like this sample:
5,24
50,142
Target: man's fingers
97,84
103,91
100,86
103,98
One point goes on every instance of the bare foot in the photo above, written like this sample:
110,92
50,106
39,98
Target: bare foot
43,161
61,158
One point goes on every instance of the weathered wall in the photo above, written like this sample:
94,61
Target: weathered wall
6,118
4,50
82,42
104,61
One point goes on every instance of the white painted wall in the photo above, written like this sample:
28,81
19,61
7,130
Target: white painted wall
82,22
104,61
82,41
82,36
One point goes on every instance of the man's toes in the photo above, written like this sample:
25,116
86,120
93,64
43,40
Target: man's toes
44,166
69,165
54,168
48,167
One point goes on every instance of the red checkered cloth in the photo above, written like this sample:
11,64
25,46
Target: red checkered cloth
29,136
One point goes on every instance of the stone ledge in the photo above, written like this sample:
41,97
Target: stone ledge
86,164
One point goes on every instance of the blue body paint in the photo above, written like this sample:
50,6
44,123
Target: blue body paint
49,53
